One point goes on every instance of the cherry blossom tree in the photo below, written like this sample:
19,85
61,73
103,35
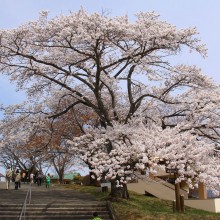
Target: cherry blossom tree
123,73
32,142
20,138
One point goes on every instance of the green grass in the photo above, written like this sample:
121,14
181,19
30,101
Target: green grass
140,207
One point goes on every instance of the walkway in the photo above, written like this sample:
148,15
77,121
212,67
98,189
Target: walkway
41,194
51,204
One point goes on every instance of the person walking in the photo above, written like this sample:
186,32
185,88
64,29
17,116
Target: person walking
23,176
96,216
17,180
13,175
8,177
48,181
27,179
31,178
39,178
19,183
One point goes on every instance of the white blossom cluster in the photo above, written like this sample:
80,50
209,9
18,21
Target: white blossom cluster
135,147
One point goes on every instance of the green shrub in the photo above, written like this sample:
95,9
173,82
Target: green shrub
78,179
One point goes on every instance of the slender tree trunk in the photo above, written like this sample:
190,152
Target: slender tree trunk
61,178
119,192
92,181
61,175
177,194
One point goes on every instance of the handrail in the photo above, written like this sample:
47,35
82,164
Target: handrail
169,185
111,211
158,180
26,201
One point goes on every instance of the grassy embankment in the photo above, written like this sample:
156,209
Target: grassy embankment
140,207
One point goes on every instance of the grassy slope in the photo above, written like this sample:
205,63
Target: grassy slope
140,207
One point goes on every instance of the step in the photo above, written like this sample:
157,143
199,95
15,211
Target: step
10,217
82,217
57,211
54,205
62,216
10,205
15,217
10,209
53,215
68,204
7,212
67,211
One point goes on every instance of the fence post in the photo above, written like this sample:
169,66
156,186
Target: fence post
174,206
182,203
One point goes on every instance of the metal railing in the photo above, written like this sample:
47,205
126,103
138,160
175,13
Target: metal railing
26,201
111,211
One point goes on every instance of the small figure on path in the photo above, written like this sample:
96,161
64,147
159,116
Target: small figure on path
31,178
96,216
27,177
48,180
39,177
13,175
17,180
23,177
8,177
19,183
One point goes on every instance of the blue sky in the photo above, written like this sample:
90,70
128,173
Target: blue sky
204,14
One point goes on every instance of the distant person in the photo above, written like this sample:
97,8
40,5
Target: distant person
35,176
13,175
48,181
17,180
39,178
23,177
31,178
8,177
19,183
27,176
96,216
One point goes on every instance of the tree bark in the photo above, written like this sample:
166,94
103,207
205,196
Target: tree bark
92,181
61,178
177,194
119,192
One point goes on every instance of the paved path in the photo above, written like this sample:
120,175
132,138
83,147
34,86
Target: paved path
53,195
55,203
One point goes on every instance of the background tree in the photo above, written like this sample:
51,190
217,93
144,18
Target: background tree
32,142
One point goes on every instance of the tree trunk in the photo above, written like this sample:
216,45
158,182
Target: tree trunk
119,192
92,181
177,195
61,178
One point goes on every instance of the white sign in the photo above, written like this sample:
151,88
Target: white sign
106,184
